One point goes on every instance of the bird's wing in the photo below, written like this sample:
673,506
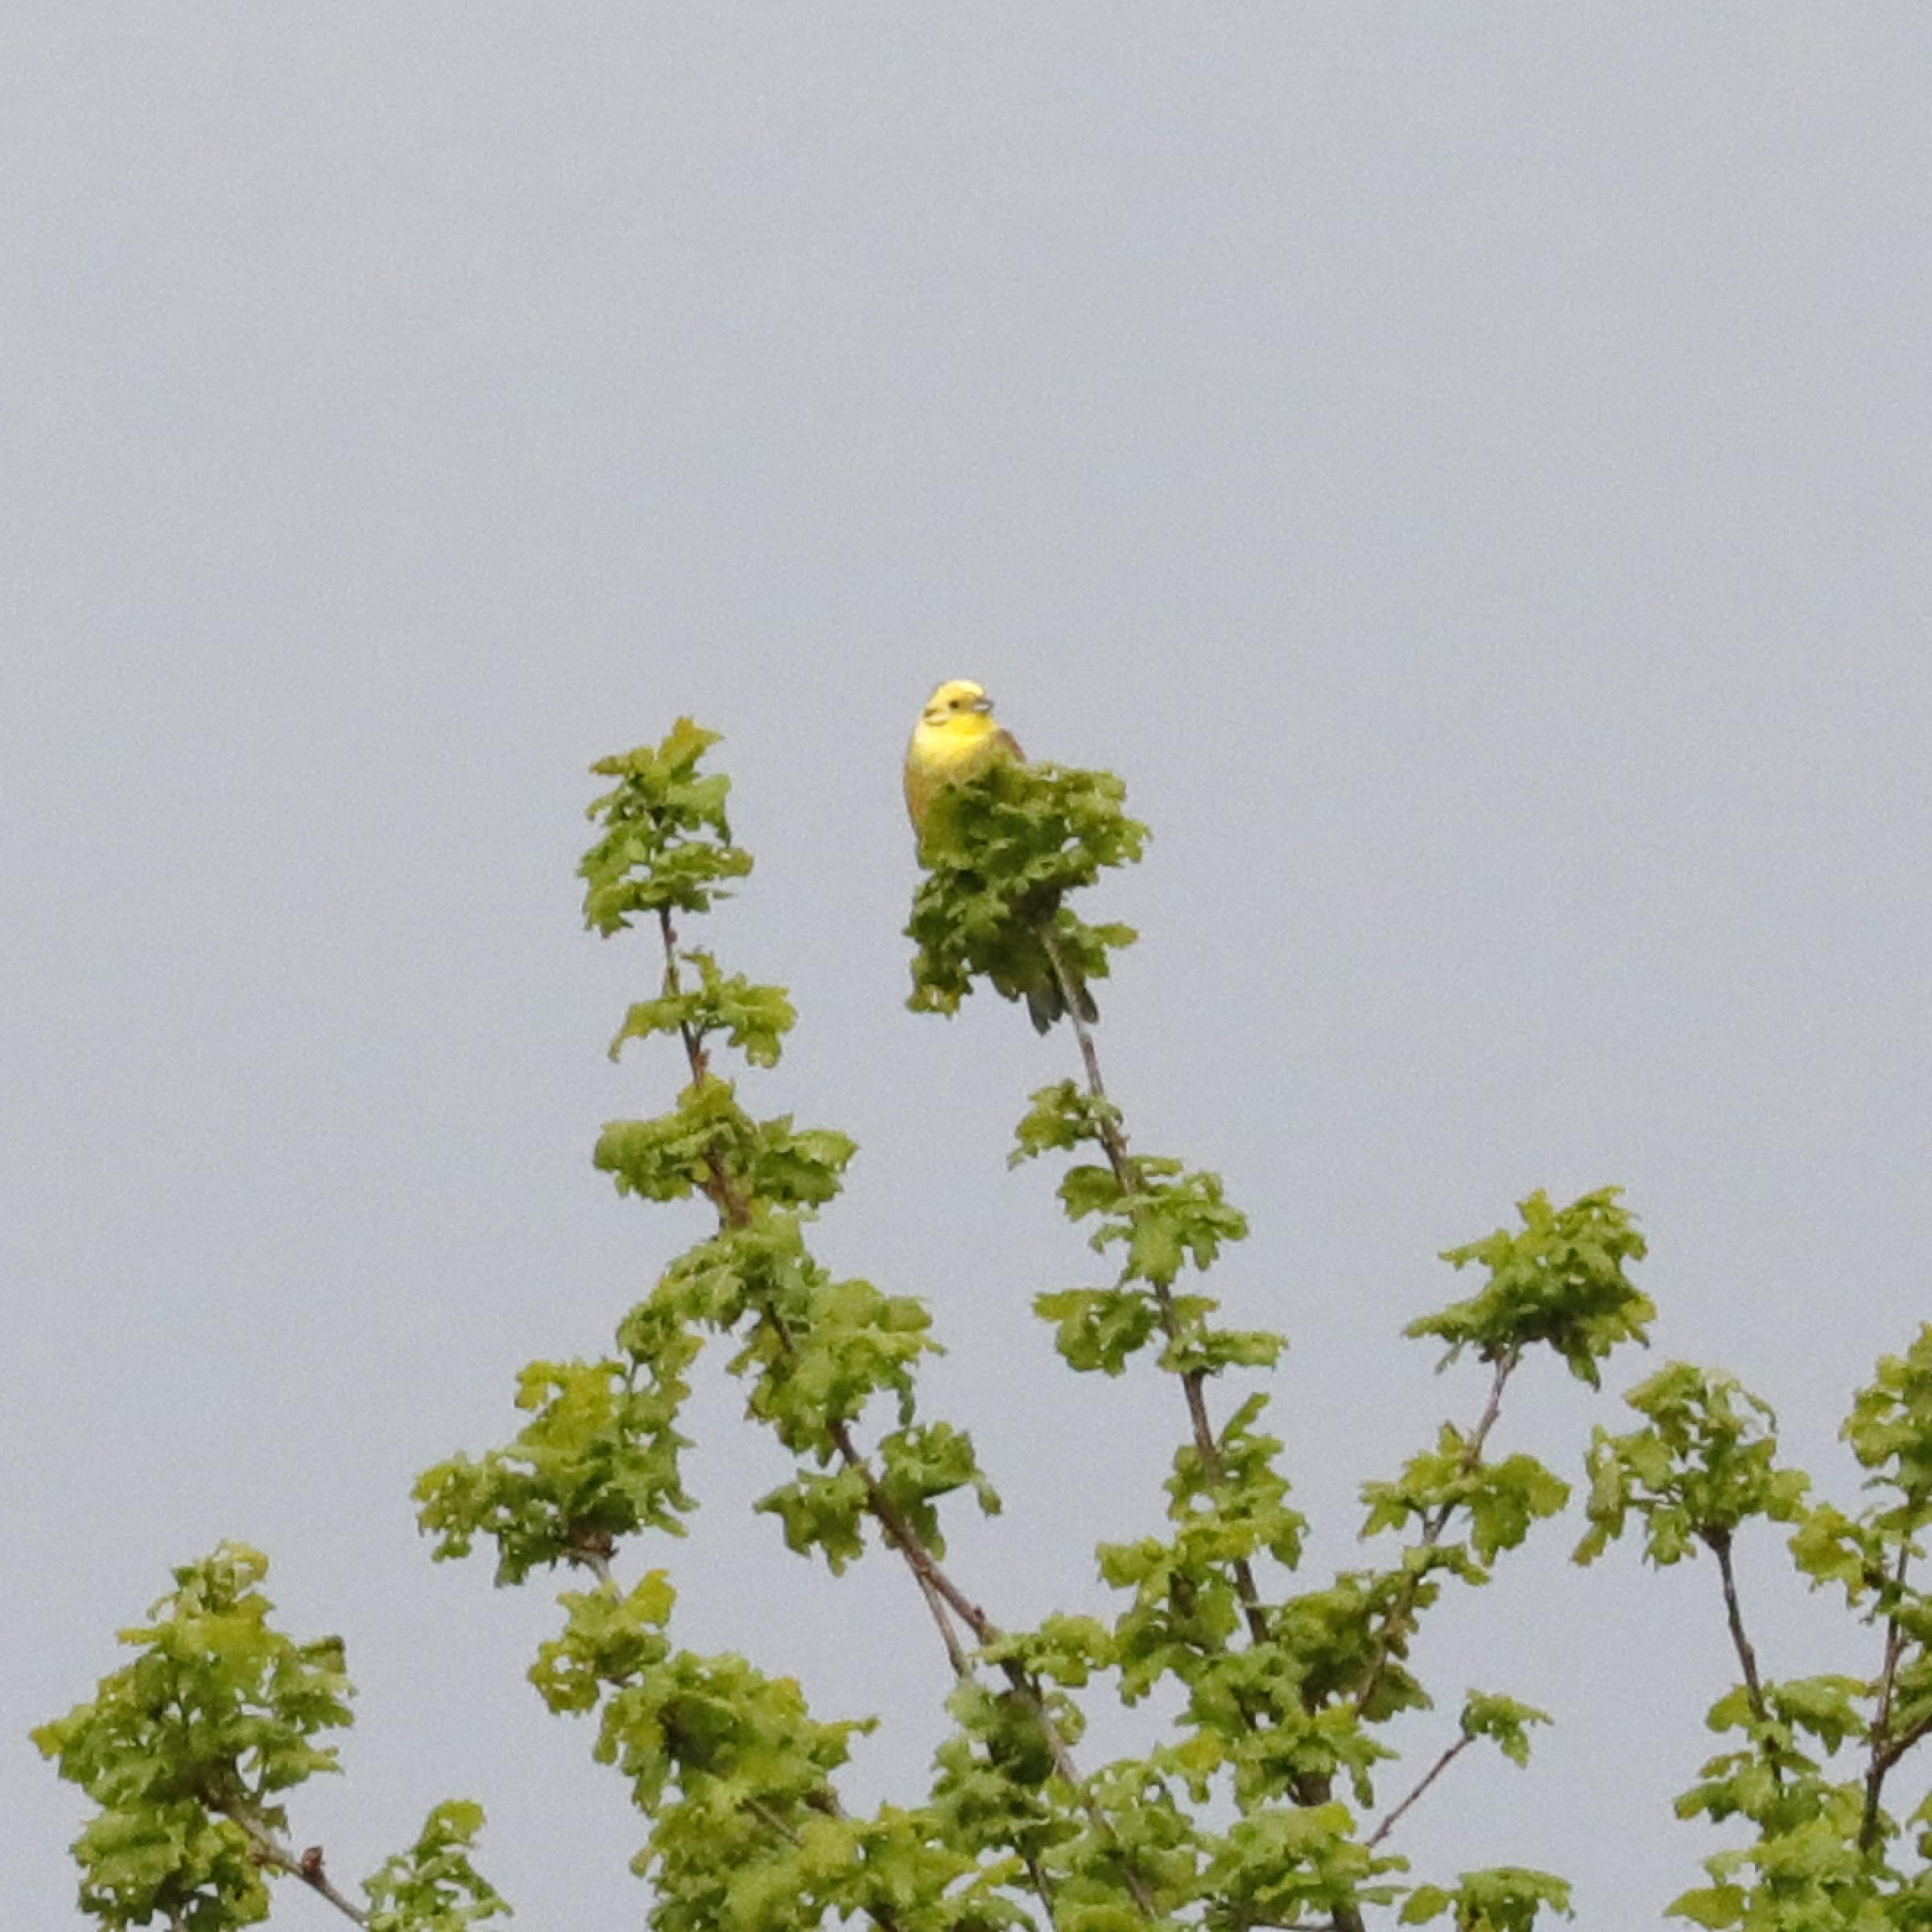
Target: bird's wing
1009,744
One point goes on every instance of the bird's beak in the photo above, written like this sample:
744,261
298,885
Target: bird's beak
982,704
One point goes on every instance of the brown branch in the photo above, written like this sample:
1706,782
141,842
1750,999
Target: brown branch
1041,1890
1718,1541
1309,1789
1883,1757
591,1549
1193,1380
1401,1621
1905,1739
266,1849
1429,1777
938,1589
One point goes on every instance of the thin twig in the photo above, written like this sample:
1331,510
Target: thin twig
764,1814
1718,1541
937,1587
1401,1617
592,1553
1113,1143
1906,1739
955,1651
1310,1788
1041,1889
1429,1777
1881,1722
269,1850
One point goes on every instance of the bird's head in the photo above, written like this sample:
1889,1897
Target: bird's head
956,699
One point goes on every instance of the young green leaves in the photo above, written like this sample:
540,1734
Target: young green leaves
666,844
190,1751
1704,1465
433,1887
1003,850
1808,1772
1559,1280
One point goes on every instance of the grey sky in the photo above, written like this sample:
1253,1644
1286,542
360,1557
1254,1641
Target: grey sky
1466,468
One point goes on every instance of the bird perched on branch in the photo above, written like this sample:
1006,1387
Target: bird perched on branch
956,738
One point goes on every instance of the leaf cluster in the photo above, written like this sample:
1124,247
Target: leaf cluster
1002,850
1267,1694
1559,1280
1808,1774
1161,1217
433,1886
667,842
189,1750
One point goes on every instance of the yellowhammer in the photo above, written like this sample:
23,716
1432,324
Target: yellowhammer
956,739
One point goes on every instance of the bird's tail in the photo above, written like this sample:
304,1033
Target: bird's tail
1064,987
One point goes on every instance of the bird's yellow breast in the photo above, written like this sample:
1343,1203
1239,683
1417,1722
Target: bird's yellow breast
946,753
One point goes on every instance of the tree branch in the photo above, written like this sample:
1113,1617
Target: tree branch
1193,1380
1429,1777
269,1850
1718,1541
1883,1756
1401,1617
1309,1789
938,1589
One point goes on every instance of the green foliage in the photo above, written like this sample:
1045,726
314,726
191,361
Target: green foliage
1162,1216
1807,1777
1706,1464
1506,1898
1262,1696
1281,1865
666,844
707,1143
1559,1280
599,1462
753,1019
1503,1721
1099,1327
1501,1500
433,1887
1890,1428
188,1751
1002,851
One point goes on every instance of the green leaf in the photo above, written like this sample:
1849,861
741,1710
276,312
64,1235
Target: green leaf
219,1714
1558,1281
433,1887
1502,1720
753,1019
1003,850
1504,1898
1063,1116
1099,1327
1716,1906
822,1513
665,844
608,1638
1705,1464
598,1460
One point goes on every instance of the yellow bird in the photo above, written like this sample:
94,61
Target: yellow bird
956,739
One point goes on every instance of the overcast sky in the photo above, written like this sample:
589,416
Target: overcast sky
1466,468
